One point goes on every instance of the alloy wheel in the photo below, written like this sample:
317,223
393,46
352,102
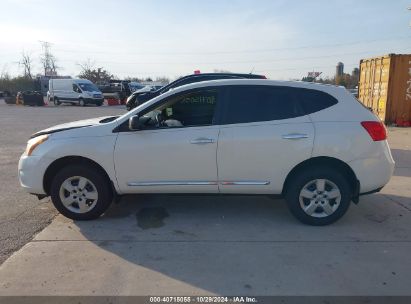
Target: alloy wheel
78,194
320,198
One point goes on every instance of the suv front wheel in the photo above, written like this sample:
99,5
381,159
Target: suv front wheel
318,196
81,192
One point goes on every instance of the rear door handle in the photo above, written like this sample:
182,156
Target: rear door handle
294,136
202,141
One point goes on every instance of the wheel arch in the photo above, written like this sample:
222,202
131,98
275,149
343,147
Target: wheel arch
60,163
326,161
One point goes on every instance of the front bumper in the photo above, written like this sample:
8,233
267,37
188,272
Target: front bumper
31,171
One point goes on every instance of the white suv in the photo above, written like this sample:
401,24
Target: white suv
315,145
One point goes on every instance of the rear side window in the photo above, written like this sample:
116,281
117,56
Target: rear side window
314,101
261,103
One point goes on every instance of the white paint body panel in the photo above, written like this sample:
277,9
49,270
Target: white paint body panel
95,143
254,154
166,156
258,152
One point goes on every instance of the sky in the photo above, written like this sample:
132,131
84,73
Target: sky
278,38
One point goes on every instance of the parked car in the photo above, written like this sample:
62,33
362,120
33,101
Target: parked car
138,98
30,98
74,91
121,88
145,89
135,86
313,144
8,97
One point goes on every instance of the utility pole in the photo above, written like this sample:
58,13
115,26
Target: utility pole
47,59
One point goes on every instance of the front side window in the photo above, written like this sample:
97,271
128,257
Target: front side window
184,110
88,87
76,88
261,103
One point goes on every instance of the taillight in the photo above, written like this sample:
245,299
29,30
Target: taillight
376,129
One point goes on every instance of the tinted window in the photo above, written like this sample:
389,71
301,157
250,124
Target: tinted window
314,101
88,87
261,103
189,109
76,88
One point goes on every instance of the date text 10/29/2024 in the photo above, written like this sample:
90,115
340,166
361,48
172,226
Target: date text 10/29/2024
202,299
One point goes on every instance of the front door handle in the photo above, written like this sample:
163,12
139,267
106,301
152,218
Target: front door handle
294,136
202,141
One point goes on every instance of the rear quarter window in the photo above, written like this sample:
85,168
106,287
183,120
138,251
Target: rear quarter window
313,100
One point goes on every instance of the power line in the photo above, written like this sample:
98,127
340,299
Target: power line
316,46
305,68
239,61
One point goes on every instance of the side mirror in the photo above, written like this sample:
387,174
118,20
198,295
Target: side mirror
134,123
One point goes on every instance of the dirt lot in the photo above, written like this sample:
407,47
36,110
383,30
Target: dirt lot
184,245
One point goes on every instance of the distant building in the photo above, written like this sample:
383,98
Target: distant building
355,72
339,71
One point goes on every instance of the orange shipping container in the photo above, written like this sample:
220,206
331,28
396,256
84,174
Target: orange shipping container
385,87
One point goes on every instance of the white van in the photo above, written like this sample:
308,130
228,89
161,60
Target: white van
74,91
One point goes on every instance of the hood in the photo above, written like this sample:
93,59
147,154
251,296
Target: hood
75,124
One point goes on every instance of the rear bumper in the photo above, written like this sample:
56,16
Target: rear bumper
374,172
372,191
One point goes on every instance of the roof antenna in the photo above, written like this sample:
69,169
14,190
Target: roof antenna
252,70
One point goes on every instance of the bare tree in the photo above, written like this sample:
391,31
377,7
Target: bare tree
53,64
26,62
48,60
90,72
5,72
87,65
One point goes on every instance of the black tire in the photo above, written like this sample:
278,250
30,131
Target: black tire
301,179
56,101
101,183
99,103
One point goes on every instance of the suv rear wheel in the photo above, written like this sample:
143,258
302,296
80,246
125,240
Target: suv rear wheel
318,196
81,192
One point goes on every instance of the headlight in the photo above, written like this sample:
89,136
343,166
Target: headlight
34,142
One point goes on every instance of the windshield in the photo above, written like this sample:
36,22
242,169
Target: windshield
88,87
134,86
